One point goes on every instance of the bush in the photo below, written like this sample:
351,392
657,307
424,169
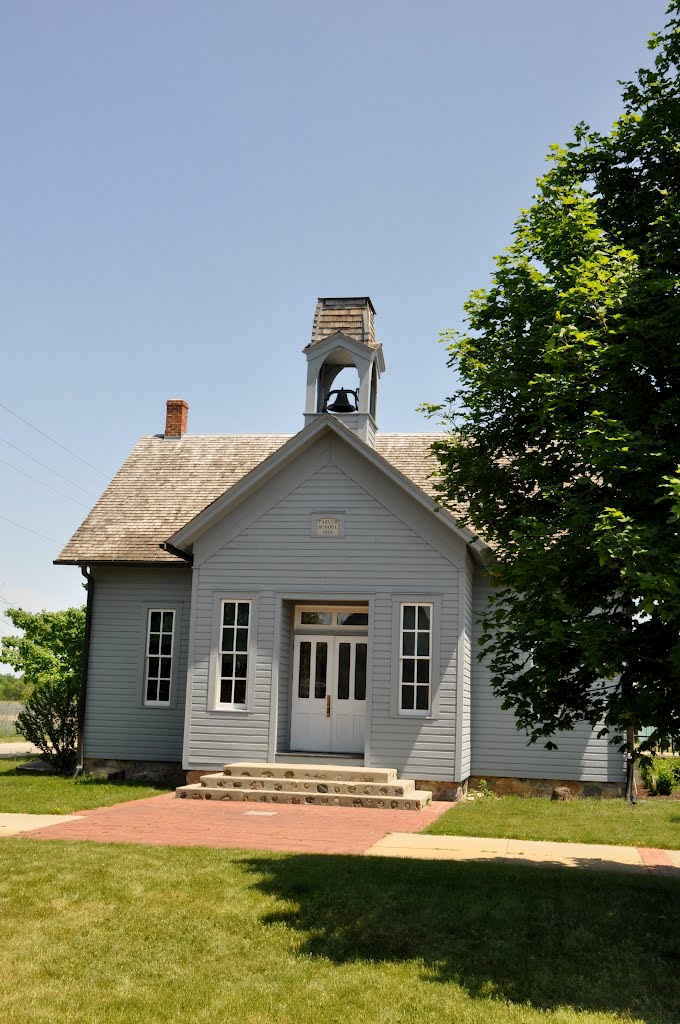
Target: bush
661,775
50,720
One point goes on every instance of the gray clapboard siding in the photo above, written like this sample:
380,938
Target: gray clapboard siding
117,724
285,674
498,749
465,709
380,558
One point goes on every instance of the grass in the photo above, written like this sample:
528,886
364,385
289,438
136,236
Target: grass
653,823
14,738
52,794
129,934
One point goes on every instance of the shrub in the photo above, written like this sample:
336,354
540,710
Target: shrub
50,720
661,774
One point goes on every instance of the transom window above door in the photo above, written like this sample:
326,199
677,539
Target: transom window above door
331,617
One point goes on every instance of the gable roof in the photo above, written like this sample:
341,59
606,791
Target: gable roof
165,483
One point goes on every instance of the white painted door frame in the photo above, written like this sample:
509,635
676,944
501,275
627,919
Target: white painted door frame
328,705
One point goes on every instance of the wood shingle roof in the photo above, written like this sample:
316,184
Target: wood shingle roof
166,482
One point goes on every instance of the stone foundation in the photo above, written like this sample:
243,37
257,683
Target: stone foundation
452,791
166,773
502,786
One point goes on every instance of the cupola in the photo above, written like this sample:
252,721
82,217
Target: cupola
343,337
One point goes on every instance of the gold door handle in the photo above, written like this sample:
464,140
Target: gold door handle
328,706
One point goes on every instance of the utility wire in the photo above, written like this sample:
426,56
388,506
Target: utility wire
31,477
53,440
45,466
11,521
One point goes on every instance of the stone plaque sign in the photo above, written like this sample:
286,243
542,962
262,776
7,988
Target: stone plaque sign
327,526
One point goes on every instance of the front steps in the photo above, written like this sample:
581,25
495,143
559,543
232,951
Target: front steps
335,786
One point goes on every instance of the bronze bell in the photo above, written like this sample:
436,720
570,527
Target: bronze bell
342,402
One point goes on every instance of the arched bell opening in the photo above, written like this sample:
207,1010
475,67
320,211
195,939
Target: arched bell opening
338,385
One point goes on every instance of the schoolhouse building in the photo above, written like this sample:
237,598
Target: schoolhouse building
300,606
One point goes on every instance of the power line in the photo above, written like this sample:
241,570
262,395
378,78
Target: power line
31,477
45,466
53,440
28,530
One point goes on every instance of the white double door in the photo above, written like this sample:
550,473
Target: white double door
328,710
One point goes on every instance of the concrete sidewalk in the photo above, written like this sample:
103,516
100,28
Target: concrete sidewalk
18,824
17,749
165,821
568,855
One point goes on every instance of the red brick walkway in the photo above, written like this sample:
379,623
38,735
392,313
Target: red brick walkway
166,821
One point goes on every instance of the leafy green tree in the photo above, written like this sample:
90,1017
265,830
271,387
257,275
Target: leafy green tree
13,688
564,438
49,653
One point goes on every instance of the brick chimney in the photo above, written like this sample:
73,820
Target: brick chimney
176,417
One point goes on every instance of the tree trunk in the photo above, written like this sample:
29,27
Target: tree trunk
630,765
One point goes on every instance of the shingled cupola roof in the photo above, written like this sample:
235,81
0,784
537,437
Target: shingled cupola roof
350,316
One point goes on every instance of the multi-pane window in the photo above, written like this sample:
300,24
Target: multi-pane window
233,653
415,658
159,651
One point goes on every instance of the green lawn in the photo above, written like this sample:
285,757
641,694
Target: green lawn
51,794
649,823
14,738
129,934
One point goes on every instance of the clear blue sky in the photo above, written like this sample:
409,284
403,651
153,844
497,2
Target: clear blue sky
180,181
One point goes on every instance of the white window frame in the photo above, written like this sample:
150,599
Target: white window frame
148,656
334,610
415,712
233,705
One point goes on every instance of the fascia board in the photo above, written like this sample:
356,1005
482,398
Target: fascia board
256,478
185,537
322,348
467,536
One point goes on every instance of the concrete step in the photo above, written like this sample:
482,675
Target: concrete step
311,772
402,787
415,802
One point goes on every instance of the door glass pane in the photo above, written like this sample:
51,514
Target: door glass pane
352,618
343,671
303,674
315,618
360,672
320,675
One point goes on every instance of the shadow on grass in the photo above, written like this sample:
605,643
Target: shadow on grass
592,941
